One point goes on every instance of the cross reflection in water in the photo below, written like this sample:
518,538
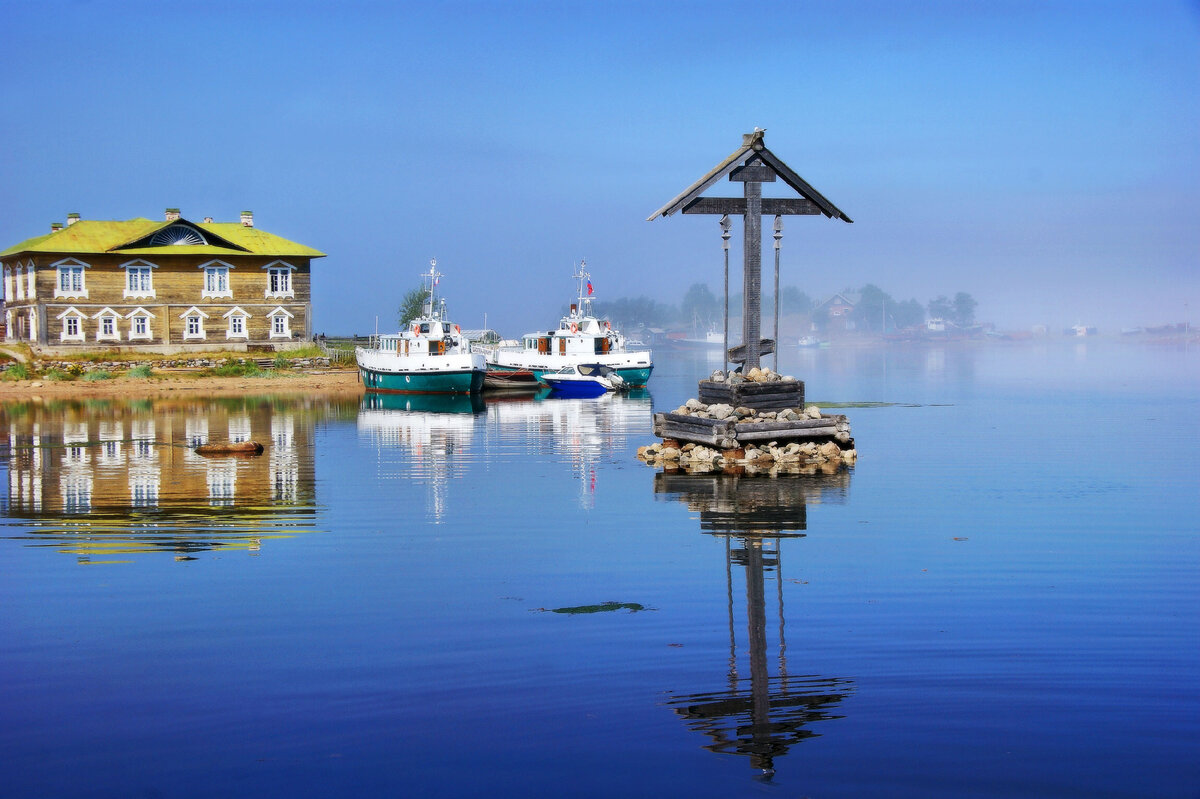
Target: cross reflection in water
762,715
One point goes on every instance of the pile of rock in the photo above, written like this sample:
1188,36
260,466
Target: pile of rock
771,458
755,375
698,409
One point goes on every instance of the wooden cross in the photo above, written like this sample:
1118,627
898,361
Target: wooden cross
752,165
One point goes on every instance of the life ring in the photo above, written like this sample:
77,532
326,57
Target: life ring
574,328
607,325
416,330
457,329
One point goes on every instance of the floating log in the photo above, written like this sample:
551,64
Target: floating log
231,448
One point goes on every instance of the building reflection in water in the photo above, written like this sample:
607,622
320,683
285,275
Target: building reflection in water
759,714
106,478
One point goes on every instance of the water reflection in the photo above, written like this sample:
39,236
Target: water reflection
105,478
429,436
436,440
760,715
579,431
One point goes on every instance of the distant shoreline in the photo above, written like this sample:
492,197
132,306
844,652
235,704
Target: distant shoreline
176,384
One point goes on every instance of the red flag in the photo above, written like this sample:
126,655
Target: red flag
589,288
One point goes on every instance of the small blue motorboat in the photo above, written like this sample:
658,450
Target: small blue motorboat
583,380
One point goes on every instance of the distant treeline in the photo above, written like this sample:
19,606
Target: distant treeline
870,308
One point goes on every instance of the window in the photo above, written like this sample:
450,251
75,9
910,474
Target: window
279,280
216,280
193,323
20,284
139,279
72,326
237,323
280,323
31,292
139,326
71,281
107,325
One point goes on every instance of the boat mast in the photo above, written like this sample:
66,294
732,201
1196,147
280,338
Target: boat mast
585,301
433,276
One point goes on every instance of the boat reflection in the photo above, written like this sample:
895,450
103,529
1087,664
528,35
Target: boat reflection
424,436
581,431
761,715
99,479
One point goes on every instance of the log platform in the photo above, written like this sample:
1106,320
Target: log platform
728,434
770,396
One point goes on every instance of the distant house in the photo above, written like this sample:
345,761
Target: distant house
166,286
834,313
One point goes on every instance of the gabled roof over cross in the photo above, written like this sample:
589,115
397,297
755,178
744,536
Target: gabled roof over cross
753,152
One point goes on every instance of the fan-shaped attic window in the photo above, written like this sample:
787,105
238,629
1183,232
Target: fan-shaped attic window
176,234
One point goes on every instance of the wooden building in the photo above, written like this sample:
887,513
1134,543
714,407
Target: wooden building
169,286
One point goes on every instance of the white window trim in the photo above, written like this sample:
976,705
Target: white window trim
72,263
78,315
31,290
291,289
235,311
18,283
8,326
228,292
8,287
287,325
196,312
133,334
139,295
99,317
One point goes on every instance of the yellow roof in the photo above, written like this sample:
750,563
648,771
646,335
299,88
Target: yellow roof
128,237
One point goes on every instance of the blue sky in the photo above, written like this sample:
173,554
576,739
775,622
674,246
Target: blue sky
1044,156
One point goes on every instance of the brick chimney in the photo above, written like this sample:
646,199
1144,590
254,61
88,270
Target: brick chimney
56,226
72,219
172,214
247,219
208,220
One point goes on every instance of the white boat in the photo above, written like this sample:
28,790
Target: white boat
431,356
584,380
579,338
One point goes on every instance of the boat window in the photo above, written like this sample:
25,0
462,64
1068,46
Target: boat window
425,327
587,370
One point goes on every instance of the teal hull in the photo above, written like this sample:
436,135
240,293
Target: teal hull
636,378
464,382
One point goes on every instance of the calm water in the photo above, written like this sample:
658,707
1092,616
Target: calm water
1001,599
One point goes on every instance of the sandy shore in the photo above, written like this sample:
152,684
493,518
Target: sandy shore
175,384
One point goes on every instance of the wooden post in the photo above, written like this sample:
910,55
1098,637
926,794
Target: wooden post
775,332
725,225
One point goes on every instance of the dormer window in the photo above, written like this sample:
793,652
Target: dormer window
216,280
139,279
71,281
177,235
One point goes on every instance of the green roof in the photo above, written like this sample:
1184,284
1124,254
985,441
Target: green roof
95,236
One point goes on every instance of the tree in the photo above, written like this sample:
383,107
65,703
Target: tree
940,308
794,301
413,305
700,307
874,306
909,313
964,309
